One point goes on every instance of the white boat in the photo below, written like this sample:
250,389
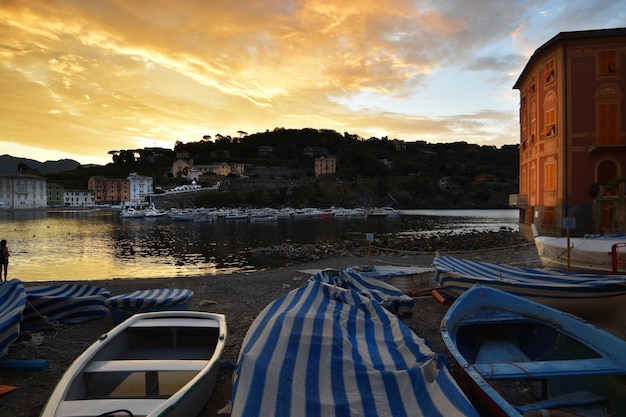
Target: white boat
591,254
154,212
590,296
131,213
153,364
383,211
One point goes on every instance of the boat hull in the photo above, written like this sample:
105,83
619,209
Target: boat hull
517,356
588,255
593,297
153,364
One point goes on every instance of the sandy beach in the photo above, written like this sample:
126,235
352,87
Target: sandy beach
240,297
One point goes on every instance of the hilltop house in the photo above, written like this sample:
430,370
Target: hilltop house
572,133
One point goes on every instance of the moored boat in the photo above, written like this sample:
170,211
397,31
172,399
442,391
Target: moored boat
521,358
590,296
153,364
322,350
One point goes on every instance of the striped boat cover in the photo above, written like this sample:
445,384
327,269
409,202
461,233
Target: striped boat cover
12,302
141,300
63,304
383,293
321,350
460,274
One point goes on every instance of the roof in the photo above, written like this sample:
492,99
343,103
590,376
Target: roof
564,37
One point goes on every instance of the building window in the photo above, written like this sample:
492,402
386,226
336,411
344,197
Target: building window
550,123
607,63
550,177
607,170
550,72
607,124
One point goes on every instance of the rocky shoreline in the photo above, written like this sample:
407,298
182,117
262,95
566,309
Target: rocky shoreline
242,296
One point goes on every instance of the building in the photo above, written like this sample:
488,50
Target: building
572,132
79,198
140,188
54,194
22,191
325,165
109,190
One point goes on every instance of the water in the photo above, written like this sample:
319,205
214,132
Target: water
81,245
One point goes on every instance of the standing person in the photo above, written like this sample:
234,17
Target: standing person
4,259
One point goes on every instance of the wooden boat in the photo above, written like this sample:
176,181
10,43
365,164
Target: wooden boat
590,296
521,358
590,254
12,303
153,364
322,350
63,304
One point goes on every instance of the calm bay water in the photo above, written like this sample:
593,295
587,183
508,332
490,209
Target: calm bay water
82,245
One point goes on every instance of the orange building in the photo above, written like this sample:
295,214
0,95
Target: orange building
572,133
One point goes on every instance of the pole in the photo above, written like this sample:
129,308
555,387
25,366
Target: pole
568,251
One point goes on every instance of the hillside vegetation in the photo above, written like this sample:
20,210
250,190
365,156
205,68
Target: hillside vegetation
369,171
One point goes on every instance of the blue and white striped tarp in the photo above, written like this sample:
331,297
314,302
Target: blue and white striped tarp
322,350
63,304
12,302
378,290
124,305
586,295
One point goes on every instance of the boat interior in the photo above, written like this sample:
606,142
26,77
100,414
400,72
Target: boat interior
534,366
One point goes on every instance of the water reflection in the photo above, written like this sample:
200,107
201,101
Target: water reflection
85,245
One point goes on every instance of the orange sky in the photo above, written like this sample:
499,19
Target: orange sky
80,78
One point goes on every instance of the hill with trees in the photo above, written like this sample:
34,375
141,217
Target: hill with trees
374,171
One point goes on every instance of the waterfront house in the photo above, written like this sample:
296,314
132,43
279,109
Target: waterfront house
22,191
572,133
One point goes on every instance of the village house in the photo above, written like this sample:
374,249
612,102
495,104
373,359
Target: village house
572,134
325,165
22,191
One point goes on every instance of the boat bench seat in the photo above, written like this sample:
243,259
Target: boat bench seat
146,365
93,408
538,369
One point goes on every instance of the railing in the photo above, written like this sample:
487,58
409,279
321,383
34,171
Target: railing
518,200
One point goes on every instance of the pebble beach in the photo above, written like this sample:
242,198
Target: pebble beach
241,297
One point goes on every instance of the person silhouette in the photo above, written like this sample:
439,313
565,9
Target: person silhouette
4,260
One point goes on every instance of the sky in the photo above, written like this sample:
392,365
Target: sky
81,78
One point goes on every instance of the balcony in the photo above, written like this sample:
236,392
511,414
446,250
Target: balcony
518,200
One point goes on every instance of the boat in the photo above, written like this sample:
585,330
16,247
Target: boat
323,350
589,254
590,296
131,213
383,211
152,211
521,358
50,305
388,296
12,303
153,364
408,279
141,301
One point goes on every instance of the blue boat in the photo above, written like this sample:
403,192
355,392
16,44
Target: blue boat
323,350
522,358
12,303
593,297
51,305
